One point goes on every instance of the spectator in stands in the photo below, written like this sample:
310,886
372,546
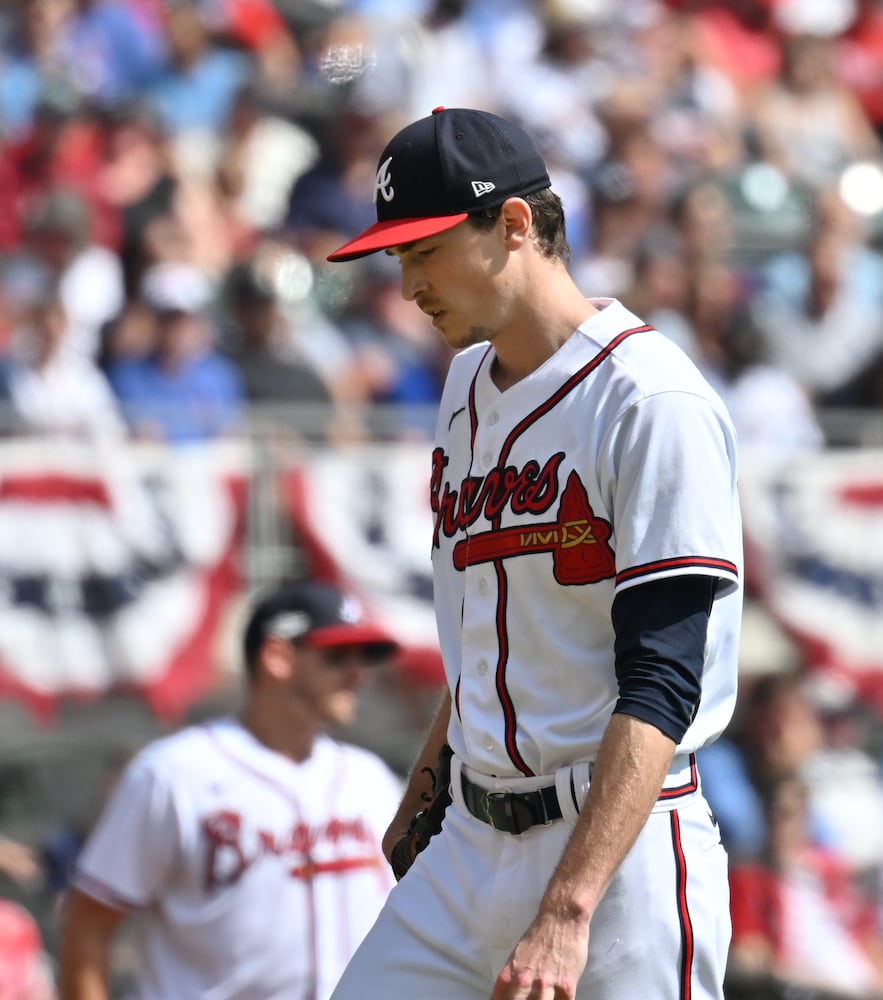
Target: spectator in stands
108,51
715,293
266,153
659,285
771,410
859,60
798,913
138,178
632,186
556,92
196,88
844,780
332,199
29,62
184,390
738,38
400,360
697,116
820,307
775,731
808,123
442,63
62,150
258,340
208,209
88,276
129,336
701,212
56,391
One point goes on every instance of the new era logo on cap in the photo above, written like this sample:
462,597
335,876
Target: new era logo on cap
426,177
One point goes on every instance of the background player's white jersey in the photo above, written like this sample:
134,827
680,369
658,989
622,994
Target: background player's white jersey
609,466
255,877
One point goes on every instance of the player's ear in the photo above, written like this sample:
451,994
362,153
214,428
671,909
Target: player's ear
517,219
277,657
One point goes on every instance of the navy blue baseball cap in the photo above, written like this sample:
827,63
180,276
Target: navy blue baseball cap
436,171
319,615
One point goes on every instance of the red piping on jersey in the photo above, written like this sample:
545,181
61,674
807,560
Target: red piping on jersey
565,389
509,719
689,786
687,939
509,715
473,413
681,562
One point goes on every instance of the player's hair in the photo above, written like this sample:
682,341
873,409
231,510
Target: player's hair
548,222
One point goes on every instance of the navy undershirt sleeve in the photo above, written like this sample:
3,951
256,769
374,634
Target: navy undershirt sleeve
661,628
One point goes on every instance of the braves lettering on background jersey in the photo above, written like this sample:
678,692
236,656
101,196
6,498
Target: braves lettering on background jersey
605,468
233,845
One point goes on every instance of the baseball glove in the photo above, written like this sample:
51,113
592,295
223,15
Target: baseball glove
427,823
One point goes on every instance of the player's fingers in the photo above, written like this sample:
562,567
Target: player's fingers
510,986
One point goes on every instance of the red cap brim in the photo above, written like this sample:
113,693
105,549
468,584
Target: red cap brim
365,634
392,233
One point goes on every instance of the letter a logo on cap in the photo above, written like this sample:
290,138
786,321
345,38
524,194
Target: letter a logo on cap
383,183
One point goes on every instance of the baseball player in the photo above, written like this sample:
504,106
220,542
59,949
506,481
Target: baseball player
586,553
248,848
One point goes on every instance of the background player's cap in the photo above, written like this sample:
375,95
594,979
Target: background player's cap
315,614
437,170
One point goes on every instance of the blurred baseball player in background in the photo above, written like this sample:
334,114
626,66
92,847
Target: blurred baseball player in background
587,562
249,847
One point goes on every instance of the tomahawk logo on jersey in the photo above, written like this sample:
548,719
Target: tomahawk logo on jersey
578,541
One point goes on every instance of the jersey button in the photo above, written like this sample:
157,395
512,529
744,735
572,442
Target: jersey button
492,418
488,743
482,667
482,586
488,459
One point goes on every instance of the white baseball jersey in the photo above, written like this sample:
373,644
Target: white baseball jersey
611,465
255,878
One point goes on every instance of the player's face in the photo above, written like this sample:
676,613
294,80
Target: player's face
458,279
327,681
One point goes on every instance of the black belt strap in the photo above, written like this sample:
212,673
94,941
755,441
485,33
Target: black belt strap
512,812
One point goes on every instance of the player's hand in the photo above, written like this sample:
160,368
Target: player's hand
547,962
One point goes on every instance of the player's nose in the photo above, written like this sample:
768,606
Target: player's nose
413,283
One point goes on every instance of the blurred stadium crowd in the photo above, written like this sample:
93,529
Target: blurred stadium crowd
173,173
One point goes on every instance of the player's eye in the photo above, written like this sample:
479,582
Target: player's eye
338,657
357,655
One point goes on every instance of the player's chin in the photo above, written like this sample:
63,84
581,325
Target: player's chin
340,707
469,337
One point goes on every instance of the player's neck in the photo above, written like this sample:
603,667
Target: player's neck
289,739
544,323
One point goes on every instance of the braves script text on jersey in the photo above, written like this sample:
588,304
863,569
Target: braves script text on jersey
254,877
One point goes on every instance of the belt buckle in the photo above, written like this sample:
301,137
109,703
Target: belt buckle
506,799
